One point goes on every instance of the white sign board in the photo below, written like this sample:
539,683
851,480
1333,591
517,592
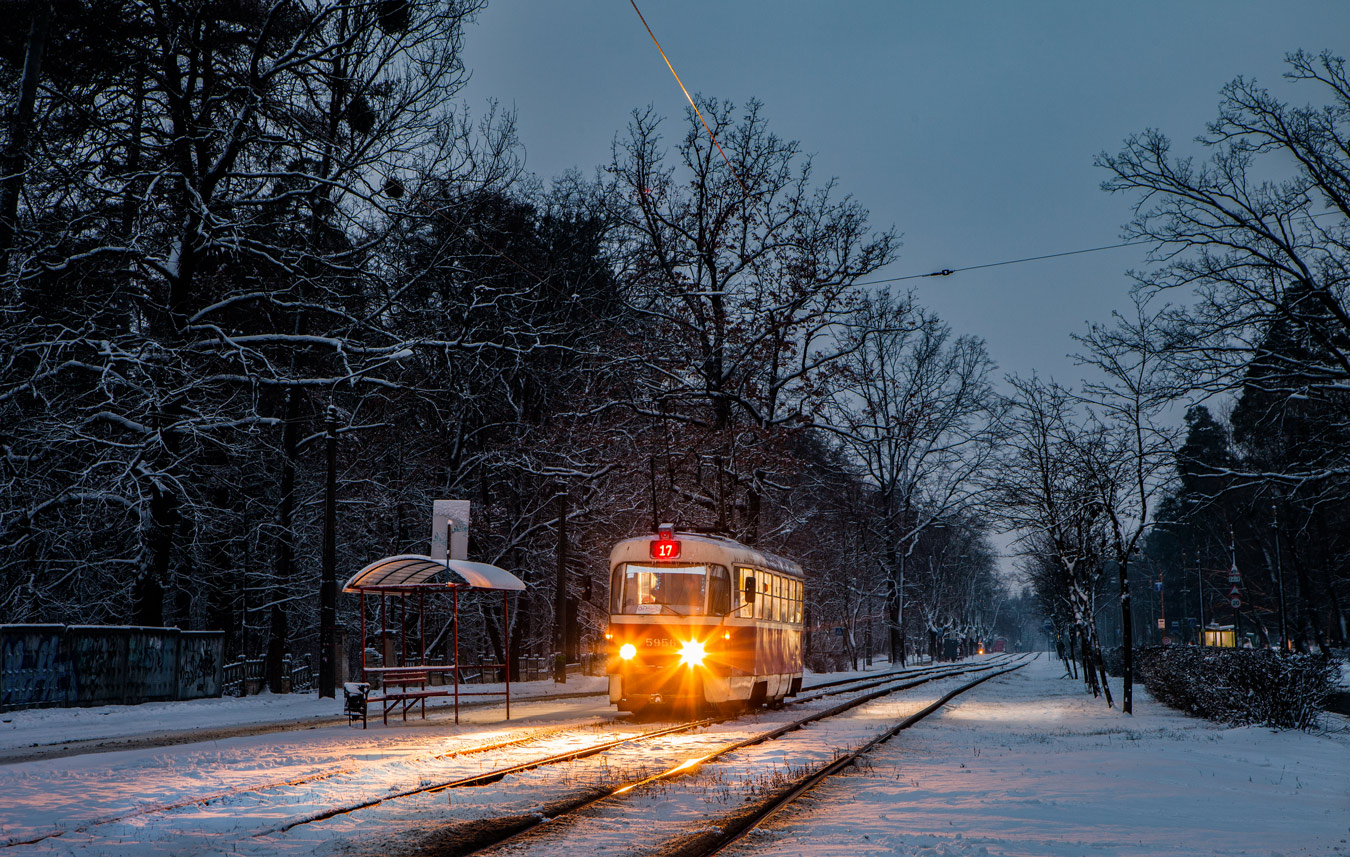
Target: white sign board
449,523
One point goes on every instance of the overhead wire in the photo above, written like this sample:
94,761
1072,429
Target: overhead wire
689,98
947,272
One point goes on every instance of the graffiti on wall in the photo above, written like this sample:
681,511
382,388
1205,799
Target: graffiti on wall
34,668
43,665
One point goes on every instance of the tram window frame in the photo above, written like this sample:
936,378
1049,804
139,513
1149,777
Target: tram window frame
777,598
746,581
616,589
798,591
719,590
644,574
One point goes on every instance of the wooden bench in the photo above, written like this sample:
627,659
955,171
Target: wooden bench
390,699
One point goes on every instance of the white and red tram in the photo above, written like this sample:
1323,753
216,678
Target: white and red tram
702,620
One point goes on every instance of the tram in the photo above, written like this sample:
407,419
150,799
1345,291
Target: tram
700,621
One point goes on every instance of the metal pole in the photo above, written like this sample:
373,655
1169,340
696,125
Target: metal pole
655,513
455,593
560,593
328,581
1279,578
506,644
363,636
1162,606
1200,593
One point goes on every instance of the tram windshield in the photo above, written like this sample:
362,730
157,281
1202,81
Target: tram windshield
666,589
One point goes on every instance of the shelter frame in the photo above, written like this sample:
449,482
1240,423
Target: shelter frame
405,575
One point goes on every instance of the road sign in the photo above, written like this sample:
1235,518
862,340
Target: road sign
1236,602
1233,593
1234,577
1157,586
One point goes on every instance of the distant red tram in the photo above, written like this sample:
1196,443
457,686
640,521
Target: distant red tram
702,621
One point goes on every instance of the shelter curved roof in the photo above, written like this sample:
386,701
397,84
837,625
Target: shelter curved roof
413,570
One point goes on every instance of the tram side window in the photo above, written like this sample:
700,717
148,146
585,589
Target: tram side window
745,586
797,598
719,591
777,598
616,590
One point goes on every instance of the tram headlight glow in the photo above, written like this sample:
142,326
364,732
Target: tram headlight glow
692,653
628,651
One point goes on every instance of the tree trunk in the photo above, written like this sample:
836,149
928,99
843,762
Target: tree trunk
15,159
1126,639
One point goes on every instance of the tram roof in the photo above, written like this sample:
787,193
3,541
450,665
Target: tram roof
733,551
410,571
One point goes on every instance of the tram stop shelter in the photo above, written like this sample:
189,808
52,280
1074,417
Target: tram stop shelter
406,680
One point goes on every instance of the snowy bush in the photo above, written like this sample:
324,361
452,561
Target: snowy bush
1240,686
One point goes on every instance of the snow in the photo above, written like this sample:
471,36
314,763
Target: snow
1025,764
49,726
1029,765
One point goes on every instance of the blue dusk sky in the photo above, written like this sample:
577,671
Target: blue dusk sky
970,127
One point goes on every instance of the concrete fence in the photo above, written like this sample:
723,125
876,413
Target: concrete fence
79,665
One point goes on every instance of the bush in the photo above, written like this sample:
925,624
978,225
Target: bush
1239,686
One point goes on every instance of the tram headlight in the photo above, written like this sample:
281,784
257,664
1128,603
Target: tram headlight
692,653
628,651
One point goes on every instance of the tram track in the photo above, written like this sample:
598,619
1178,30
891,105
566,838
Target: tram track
494,833
737,826
841,686
480,836
317,776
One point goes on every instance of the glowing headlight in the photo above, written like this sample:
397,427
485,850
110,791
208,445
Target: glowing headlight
691,653
628,651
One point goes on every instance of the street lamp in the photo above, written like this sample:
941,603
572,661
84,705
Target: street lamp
328,580
1279,576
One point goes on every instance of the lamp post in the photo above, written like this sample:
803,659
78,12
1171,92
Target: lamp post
1200,595
328,580
1279,576
560,592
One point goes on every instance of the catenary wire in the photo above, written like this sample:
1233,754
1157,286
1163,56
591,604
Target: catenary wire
947,272
690,98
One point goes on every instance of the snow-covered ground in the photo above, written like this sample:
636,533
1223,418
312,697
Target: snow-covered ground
43,727
1025,764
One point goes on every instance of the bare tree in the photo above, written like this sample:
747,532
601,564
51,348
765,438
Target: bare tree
1048,489
1258,232
737,271
915,409
1131,399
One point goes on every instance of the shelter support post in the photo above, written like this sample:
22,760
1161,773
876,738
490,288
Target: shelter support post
455,595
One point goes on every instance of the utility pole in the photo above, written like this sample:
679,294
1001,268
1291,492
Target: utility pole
328,581
1279,577
1200,593
560,593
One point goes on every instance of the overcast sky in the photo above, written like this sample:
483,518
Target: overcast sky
969,126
